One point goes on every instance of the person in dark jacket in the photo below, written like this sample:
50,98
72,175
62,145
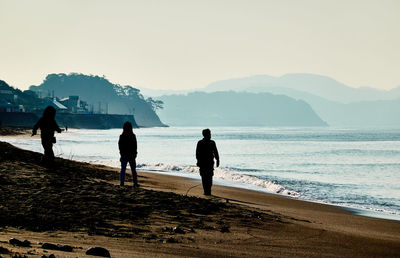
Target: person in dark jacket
48,125
206,152
128,150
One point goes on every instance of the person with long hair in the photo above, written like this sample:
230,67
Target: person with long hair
128,150
48,125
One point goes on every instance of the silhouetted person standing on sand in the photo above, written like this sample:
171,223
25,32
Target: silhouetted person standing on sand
206,151
128,150
48,125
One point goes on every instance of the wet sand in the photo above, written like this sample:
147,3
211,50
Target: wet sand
82,205
15,131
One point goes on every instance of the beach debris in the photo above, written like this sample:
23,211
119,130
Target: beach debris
178,230
58,247
150,237
50,256
167,229
174,230
98,251
4,250
224,229
171,240
17,242
19,255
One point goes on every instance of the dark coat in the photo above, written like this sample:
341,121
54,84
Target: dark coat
127,146
206,151
47,127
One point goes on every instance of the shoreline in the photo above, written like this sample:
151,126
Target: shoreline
197,191
318,216
238,222
226,183
25,133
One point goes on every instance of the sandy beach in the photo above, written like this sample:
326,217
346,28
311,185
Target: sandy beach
82,205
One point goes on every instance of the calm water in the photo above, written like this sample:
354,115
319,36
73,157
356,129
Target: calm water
348,167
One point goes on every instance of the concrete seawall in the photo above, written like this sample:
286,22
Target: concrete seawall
18,119
94,121
83,121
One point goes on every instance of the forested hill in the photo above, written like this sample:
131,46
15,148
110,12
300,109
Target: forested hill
101,94
27,98
237,109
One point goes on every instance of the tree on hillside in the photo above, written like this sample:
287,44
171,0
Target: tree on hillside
99,92
155,104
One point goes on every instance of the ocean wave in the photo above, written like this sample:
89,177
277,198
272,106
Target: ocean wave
246,169
360,207
225,174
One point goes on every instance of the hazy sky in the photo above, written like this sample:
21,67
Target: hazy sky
182,44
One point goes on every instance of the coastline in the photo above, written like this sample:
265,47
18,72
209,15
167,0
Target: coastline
25,133
331,166
302,210
235,185
257,224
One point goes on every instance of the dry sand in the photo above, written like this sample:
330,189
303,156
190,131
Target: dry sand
82,205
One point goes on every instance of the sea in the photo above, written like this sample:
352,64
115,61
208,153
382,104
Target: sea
357,169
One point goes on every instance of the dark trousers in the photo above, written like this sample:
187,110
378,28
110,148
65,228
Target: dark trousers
207,183
132,163
48,151
206,174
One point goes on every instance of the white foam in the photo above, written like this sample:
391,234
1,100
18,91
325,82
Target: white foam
224,174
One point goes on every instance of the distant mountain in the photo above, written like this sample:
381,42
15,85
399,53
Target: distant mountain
157,92
363,113
101,95
318,85
371,113
236,109
335,103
